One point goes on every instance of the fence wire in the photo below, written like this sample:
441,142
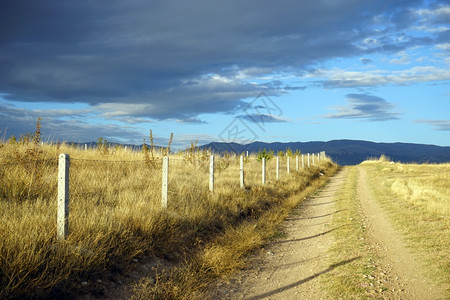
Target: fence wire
28,161
114,178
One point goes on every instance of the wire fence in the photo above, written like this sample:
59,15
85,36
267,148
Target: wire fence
111,183
182,168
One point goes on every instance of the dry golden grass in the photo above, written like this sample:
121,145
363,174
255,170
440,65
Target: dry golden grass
226,253
418,199
116,215
427,186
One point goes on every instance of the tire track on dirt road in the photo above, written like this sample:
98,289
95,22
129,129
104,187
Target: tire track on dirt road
290,267
402,273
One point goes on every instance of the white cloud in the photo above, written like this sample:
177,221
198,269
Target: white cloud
430,29
445,47
112,110
404,60
421,59
61,124
338,78
440,125
442,11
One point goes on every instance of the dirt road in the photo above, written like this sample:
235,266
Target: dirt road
290,268
402,271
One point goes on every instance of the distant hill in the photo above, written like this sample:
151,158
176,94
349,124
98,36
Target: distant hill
348,152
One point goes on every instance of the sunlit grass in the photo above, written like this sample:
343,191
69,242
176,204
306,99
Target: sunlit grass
116,214
418,199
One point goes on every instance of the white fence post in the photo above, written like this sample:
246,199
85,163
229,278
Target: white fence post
318,157
63,197
296,163
165,181
263,170
313,159
278,167
85,147
288,164
211,173
241,172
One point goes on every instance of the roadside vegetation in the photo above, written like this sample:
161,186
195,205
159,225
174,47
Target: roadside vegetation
417,197
116,217
354,280
227,251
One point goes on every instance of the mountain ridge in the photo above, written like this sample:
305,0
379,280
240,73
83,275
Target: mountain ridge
347,152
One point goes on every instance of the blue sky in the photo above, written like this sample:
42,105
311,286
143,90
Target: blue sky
233,71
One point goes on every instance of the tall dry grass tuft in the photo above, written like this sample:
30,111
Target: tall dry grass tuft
116,215
372,160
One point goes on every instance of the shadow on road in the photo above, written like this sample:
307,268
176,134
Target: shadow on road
317,204
286,266
308,237
292,285
316,217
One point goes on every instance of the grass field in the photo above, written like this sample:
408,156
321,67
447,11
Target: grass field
116,215
417,197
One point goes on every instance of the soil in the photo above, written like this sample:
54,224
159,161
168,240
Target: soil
290,267
120,283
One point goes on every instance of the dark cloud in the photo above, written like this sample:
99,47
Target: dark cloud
262,118
138,62
366,61
444,37
179,58
295,88
365,106
192,121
